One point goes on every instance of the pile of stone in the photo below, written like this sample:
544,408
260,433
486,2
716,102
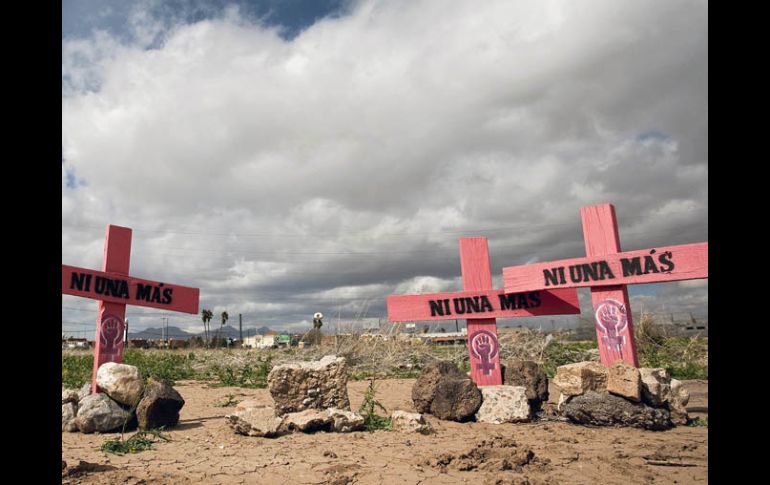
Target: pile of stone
309,397
127,402
621,395
519,399
447,393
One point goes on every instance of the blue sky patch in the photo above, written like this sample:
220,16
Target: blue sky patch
81,18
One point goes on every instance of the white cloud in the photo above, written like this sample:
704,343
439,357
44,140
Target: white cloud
355,155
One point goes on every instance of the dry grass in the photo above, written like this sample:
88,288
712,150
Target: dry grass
395,356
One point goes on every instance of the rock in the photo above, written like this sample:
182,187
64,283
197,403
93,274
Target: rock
656,385
679,397
69,395
256,421
424,389
563,399
529,374
98,412
330,419
345,421
405,422
504,404
84,391
308,421
121,382
160,405
309,385
576,379
624,380
69,411
605,409
456,399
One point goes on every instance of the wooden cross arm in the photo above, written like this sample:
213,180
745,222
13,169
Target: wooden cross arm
127,290
655,265
481,304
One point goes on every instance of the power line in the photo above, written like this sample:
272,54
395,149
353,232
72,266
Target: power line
371,233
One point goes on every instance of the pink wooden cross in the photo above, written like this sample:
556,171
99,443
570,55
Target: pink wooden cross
115,289
483,302
607,271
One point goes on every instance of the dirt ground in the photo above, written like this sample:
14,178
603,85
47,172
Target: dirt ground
204,449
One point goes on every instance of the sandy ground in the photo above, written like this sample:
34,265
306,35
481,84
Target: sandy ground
204,449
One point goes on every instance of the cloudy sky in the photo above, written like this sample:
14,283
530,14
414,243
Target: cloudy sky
289,157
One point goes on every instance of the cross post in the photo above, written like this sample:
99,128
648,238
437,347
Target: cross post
114,289
608,271
484,304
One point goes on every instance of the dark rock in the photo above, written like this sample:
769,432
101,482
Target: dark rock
424,388
160,405
530,375
605,409
456,399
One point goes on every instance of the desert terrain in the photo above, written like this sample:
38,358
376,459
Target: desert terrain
204,449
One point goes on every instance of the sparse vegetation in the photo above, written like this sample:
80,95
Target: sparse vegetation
379,358
246,376
228,401
699,422
140,441
76,369
373,421
683,357
562,353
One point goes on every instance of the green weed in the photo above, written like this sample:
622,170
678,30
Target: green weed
373,421
142,440
227,402
699,422
248,376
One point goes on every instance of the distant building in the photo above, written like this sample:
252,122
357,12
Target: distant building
268,341
445,338
75,343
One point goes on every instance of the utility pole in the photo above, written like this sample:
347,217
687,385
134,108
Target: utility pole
240,326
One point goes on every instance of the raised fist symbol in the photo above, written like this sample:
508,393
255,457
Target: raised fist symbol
112,333
610,316
483,345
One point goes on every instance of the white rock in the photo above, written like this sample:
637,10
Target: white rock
121,382
255,421
656,385
84,391
504,404
98,412
409,422
69,412
344,421
69,395
677,403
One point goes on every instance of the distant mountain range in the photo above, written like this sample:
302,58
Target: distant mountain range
178,334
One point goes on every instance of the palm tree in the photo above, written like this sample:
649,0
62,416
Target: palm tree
206,316
225,316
